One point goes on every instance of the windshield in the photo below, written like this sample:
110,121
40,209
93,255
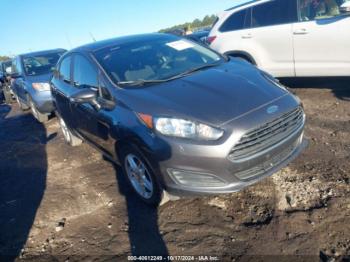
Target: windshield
41,64
154,60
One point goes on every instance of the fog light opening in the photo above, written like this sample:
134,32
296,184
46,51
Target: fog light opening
195,179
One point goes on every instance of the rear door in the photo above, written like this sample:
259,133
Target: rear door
322,39
271,36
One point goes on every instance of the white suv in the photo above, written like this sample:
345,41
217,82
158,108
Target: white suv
287,38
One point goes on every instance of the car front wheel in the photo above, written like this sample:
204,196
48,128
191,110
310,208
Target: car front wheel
141,176
21,105
69,137
7,96
42,118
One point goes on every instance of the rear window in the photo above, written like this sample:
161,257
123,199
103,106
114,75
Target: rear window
237,21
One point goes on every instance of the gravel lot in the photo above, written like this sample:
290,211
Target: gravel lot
69,203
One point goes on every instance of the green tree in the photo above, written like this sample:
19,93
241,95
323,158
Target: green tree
3,58
208,20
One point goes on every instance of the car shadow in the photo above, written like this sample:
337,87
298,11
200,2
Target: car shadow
144,235
23,170
340,86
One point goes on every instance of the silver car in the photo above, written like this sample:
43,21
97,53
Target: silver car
176,115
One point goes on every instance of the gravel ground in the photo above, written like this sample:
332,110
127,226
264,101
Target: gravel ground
68,204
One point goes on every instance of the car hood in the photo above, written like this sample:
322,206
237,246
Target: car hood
212,96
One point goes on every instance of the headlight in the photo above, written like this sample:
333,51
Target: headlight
186,129
41,86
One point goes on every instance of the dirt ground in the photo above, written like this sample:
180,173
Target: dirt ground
68,204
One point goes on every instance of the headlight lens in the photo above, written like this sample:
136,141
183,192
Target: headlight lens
41,86
186,129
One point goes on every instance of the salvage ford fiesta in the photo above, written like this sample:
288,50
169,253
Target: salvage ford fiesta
175,115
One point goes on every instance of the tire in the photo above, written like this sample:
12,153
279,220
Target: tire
140,176
22,106
42,118
69,137
7,96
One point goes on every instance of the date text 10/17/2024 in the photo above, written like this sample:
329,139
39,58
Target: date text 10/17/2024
173,258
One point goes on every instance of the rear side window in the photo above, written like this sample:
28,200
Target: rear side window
237,21
64,71
274,13
84,73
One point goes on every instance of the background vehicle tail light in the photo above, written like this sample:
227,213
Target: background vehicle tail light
211,39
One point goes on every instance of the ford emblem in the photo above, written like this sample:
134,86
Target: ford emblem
272,109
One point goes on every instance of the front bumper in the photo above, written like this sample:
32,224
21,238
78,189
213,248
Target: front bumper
43,102
237,184
210,161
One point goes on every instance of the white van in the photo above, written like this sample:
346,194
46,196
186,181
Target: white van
287,38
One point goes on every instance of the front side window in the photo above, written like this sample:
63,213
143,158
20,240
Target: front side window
64,71
237,21
275,12
40,64
159,59
319,9
84,73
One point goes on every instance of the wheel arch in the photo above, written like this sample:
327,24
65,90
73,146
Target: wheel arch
242,54
137,144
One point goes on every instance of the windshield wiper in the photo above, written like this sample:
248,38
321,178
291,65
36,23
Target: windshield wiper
142,82
188,72
139,82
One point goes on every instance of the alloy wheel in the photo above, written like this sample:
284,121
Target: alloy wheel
33,109
65,130
139,176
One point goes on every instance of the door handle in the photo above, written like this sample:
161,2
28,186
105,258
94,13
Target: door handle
301,31
247,36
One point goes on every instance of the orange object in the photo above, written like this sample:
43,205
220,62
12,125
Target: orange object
147,119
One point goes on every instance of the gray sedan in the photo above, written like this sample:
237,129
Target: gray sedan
177,116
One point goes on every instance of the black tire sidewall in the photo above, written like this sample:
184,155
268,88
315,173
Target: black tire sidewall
157,191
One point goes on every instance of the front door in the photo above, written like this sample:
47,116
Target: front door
322,39
62,89
94,125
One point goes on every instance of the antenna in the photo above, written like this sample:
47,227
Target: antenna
92,36
68,40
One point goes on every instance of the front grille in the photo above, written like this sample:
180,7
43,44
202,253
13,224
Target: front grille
267,135
266,166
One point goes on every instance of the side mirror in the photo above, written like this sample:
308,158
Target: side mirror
345,8
85,95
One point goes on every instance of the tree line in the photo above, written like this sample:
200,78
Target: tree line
208,20
4,58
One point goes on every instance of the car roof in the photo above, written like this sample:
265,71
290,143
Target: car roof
95,46
43,52
243,4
